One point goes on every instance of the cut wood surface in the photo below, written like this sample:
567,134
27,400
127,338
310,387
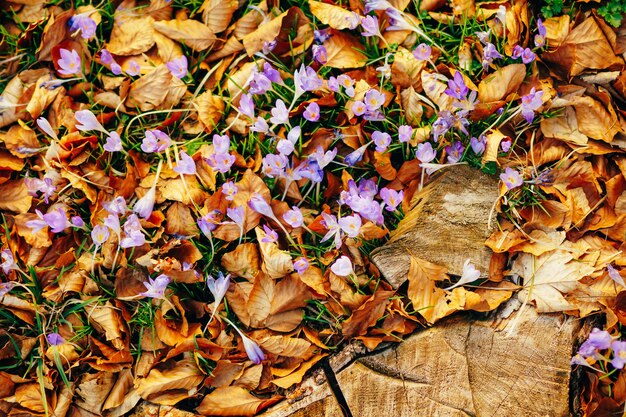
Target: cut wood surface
446,226
464,366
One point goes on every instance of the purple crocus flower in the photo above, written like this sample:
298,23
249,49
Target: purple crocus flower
272,73
45,126
455,152
8,262
258,204
321,36
358,108
422,52
312,112
113,223
370,26
229,189
300,265
517,52
155,288
381,140
371,5
323,158
444,122
615,275
342,267
456,87
540,37
85,24
77,222
478,144
99,234
511,178
280,113
351,225
333,84
320,54
531,102
260,126
505,145
310,169
5,287
86,121
254,352
221,162
236,215
246,105
69,62
619,354
218,287
54,339
374,99
329,221
155,141
404,133
143,207
185,165
55,219
113,142
208,223
285,147
116,69
178,66
105,57
528,56
306,79
45,187
259,84
597,340
133,68
392,198
352,158
132,230
274,165
293,217
270,235
489,54
425,152
116,206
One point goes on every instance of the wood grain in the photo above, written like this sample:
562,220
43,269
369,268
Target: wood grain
447,225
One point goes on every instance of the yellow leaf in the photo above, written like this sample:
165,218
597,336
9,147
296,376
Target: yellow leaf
296,377
243,261
411,104
493,145
285,346
190,32
11,95
344,51
260,300
334,16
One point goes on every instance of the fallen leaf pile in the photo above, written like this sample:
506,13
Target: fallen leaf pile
190,191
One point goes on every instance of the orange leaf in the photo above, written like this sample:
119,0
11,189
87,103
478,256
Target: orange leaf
234,401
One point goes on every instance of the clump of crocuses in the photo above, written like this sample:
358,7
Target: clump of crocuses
600,350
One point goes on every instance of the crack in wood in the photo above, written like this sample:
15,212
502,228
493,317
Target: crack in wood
336,389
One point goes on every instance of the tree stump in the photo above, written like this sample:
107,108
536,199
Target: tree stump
448,223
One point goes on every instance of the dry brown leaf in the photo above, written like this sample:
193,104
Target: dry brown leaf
411,104
20,140
585,47
93,389
233,401
150,90
334,16
564,127
190,32
29,397
216,14
548,278
367,315
285,346
185,375
596,120
296,377
14,196
434,87
493,145
210,110
501,83
344,51
180,221
243,262
405,70
11,96
132,36
276,262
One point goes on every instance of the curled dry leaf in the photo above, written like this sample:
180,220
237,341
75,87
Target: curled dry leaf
183,375
344,51
233,401
276,262
411,103
210,110
243,262
190,32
